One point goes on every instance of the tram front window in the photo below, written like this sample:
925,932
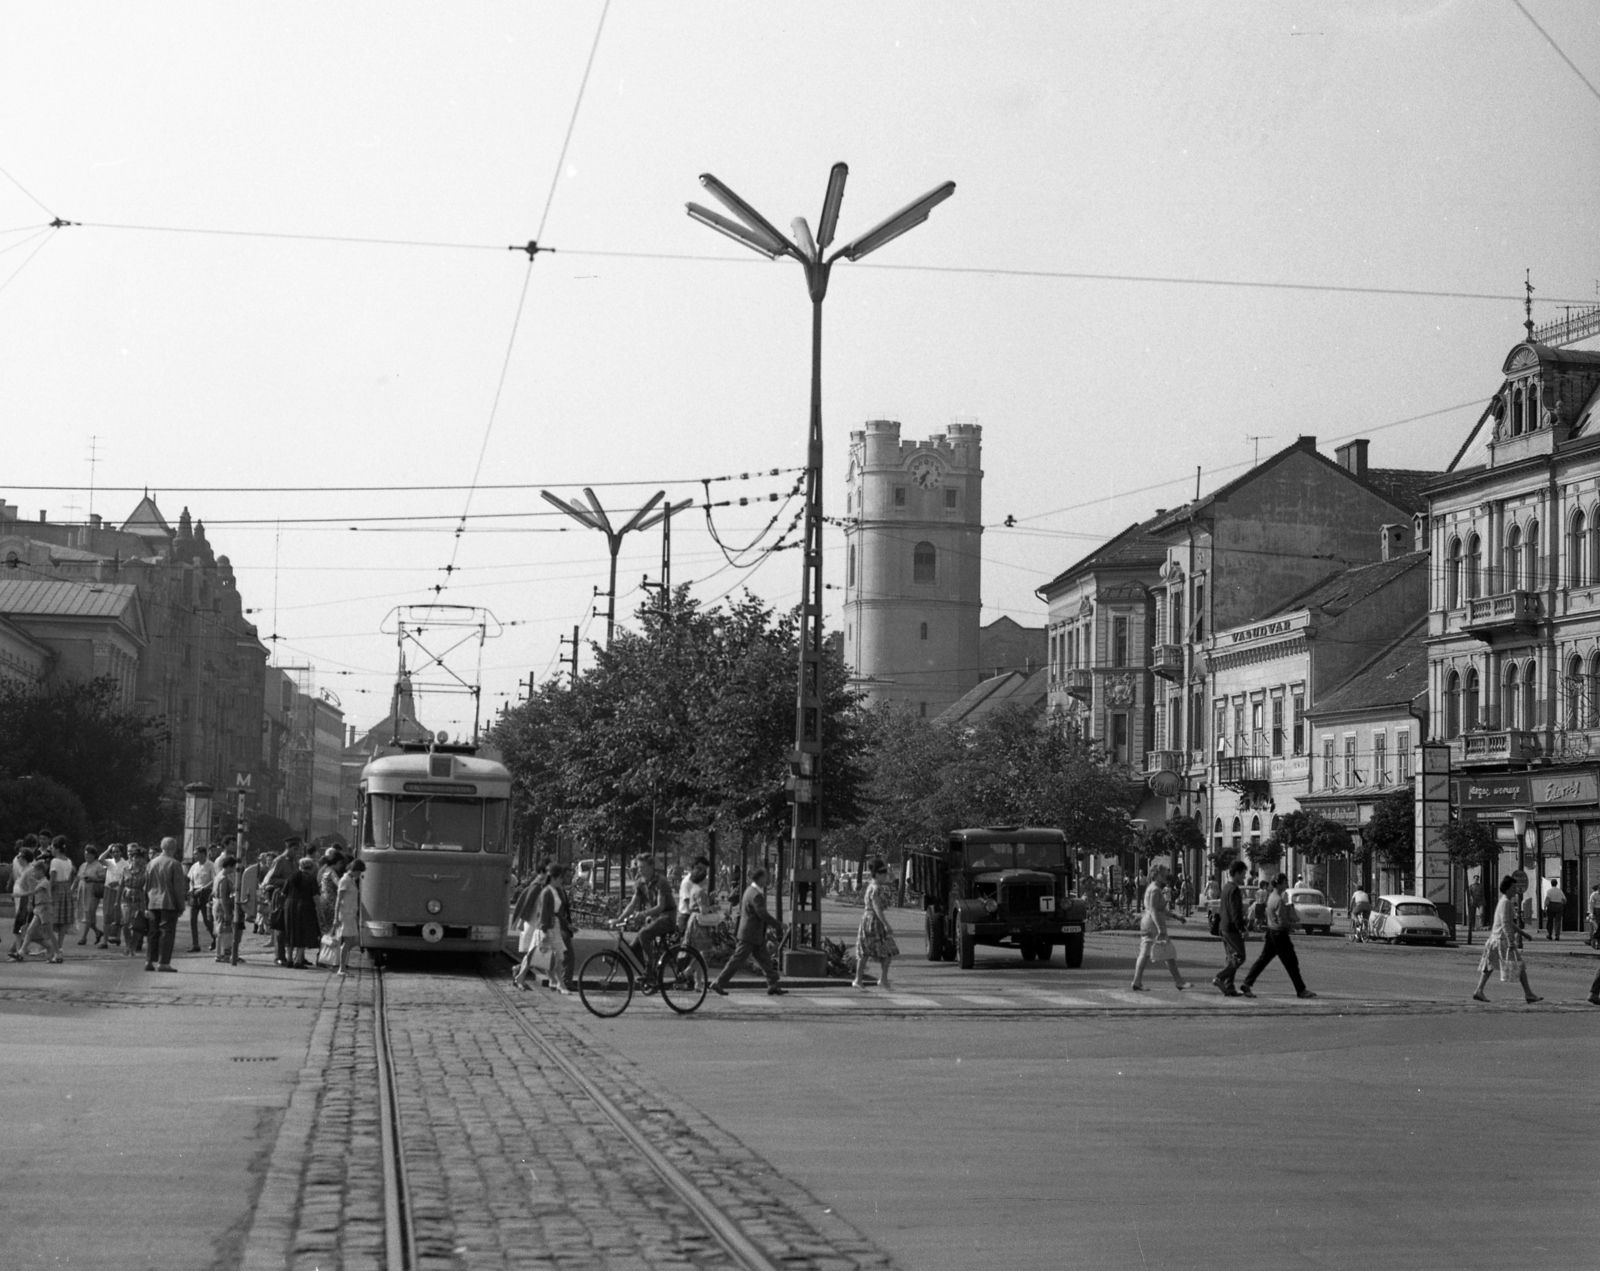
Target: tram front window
434,823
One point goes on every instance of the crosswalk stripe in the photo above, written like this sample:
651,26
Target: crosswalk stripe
847,1002
991,1001
909,999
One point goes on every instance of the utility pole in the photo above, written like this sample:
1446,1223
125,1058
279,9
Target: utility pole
664,516
594,517
571,663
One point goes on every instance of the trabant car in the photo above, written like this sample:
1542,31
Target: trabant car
1401,918
1007,886
1311,908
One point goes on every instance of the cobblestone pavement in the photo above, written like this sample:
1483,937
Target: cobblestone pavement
509,1164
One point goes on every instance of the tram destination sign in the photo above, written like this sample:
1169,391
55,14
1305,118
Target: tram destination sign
439,787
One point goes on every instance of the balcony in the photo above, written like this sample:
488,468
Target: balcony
1244,772
1506,745
1166,760
1509,611
1166,660
1079,682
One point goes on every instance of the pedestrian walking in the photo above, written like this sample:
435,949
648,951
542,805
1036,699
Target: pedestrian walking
1500,948
301,931
135,902
63,889
21,896
1594,915
202,875
91,894
522,915
751,939
347,912
703,915
1555,910
551,938
250,893
166,890
1155,945
41,929
224,905
116,870
272,892
686,886
1279,920
874,936
1186,897
1230,926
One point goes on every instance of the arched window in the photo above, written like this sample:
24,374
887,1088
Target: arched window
1452,576
1469,699
1591,574
1510,699
1575,704
1255,829
1591,693
1238,831
924,567
1516,413
1578,551
1474,567
850,567
1452,706
1532,574
1512,559
1531,403
1530,697
923,633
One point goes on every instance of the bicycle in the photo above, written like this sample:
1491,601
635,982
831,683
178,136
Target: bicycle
1361,928
606,979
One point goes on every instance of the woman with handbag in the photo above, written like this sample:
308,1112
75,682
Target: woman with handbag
874,937
1154,943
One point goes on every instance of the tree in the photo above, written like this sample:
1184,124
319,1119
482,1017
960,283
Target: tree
1391,833
1472,844
79,735
1314,837
31,804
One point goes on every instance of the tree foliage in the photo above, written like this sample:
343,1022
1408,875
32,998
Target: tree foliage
78,735
31,804
1313,836
1391,833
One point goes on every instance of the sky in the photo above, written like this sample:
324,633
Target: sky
1119,170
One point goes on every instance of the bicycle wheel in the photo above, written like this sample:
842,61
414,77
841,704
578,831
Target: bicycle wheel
605,983
683,978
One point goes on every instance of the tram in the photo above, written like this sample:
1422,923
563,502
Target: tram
434,834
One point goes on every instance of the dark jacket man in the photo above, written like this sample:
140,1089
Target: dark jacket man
1230,926
751,938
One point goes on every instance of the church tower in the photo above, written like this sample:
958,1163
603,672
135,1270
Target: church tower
913,525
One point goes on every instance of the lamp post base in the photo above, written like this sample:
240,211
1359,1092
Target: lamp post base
805,964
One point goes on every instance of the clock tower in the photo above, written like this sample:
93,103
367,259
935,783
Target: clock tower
913,529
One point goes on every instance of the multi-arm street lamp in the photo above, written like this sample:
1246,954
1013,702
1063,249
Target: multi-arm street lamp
804,955
594,517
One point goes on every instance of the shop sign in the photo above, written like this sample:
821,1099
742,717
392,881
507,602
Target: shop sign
1346,814
1488,792
1566,787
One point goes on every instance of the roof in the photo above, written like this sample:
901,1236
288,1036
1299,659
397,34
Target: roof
146,520
1396,677
1405,487
1024,690
1349,587
31,598
1128,550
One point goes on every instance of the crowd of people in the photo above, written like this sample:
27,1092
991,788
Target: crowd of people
127,896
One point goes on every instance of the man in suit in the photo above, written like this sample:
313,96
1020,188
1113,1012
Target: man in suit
1230,926
751,938
166,890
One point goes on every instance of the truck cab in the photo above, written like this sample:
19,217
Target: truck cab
1004,886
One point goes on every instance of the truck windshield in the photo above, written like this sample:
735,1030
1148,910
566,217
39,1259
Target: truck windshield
437,823
1016,856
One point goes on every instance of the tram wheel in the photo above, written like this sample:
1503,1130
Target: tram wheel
605,983
683,978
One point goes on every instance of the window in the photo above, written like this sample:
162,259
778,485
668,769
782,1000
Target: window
1574,704
1197,722
1511,701
1402,755
899,496
1119,738
1452,705
1298,723
1380,759
1452,577
1592,573
1516,413
1258,712
1469,700
1511,561
1577,550
1530,403
951,499
1532,575
1350,778
850,567
1238,830
1592,691
1175,630
923,564
1199,609
1530,697
1174,724
1474,567
922,633
1277,728
1255,829
1328,782
1220,728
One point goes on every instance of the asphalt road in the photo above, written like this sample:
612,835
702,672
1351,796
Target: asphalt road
1392,1122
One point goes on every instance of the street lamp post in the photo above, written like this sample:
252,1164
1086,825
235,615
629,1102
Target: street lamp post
594,517
804,955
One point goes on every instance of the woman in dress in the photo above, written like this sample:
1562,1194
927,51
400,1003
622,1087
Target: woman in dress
328,876
347,912
547,921
702,908
40,929
522,913
301,930
134,899
874,938
1500,949
1154,946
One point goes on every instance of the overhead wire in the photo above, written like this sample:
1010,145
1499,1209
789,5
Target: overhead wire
39,203
1560,52
752,475
28,259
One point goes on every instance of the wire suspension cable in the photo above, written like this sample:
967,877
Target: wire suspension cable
572,123
31,195
1550,40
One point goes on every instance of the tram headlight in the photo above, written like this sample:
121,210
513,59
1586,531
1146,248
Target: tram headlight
434,906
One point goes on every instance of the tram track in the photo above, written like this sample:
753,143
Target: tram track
710,1235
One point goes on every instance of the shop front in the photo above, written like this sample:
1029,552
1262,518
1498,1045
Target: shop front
1558,812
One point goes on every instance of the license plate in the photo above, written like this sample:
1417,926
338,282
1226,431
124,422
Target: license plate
1047,904
1071,930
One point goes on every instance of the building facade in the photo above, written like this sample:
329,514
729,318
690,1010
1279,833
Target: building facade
1514,623
913,541
86,631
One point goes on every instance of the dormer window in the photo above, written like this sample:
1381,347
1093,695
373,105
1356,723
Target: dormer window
1516,413
1530,404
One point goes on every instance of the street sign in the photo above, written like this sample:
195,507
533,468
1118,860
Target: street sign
242,780
1165,784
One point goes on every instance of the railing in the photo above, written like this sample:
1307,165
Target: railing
1166,660
1508,745
1166,760
1508,609
1244,770
1079,681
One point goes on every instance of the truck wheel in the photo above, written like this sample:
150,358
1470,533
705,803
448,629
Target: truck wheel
952,939
1074,947
966,946
935,925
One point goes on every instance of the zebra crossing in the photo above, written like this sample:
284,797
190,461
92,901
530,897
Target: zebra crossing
1201,998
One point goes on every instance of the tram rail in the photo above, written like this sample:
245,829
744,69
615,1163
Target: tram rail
399,1238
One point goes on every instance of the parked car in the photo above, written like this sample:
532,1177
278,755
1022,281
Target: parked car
1311,907
1400,918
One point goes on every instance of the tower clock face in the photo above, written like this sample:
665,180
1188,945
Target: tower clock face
925,471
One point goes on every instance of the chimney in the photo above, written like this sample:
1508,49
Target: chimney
94,520
41,516
1396,540
1352,457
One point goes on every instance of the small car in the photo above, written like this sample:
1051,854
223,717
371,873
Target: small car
1311,906
1402,918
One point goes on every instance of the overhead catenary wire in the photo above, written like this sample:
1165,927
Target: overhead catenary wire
752,475
1560,52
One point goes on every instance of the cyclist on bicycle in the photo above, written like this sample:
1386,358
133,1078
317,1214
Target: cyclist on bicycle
653,901
1360,910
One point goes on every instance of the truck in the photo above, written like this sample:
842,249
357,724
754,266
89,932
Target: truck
1005,886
